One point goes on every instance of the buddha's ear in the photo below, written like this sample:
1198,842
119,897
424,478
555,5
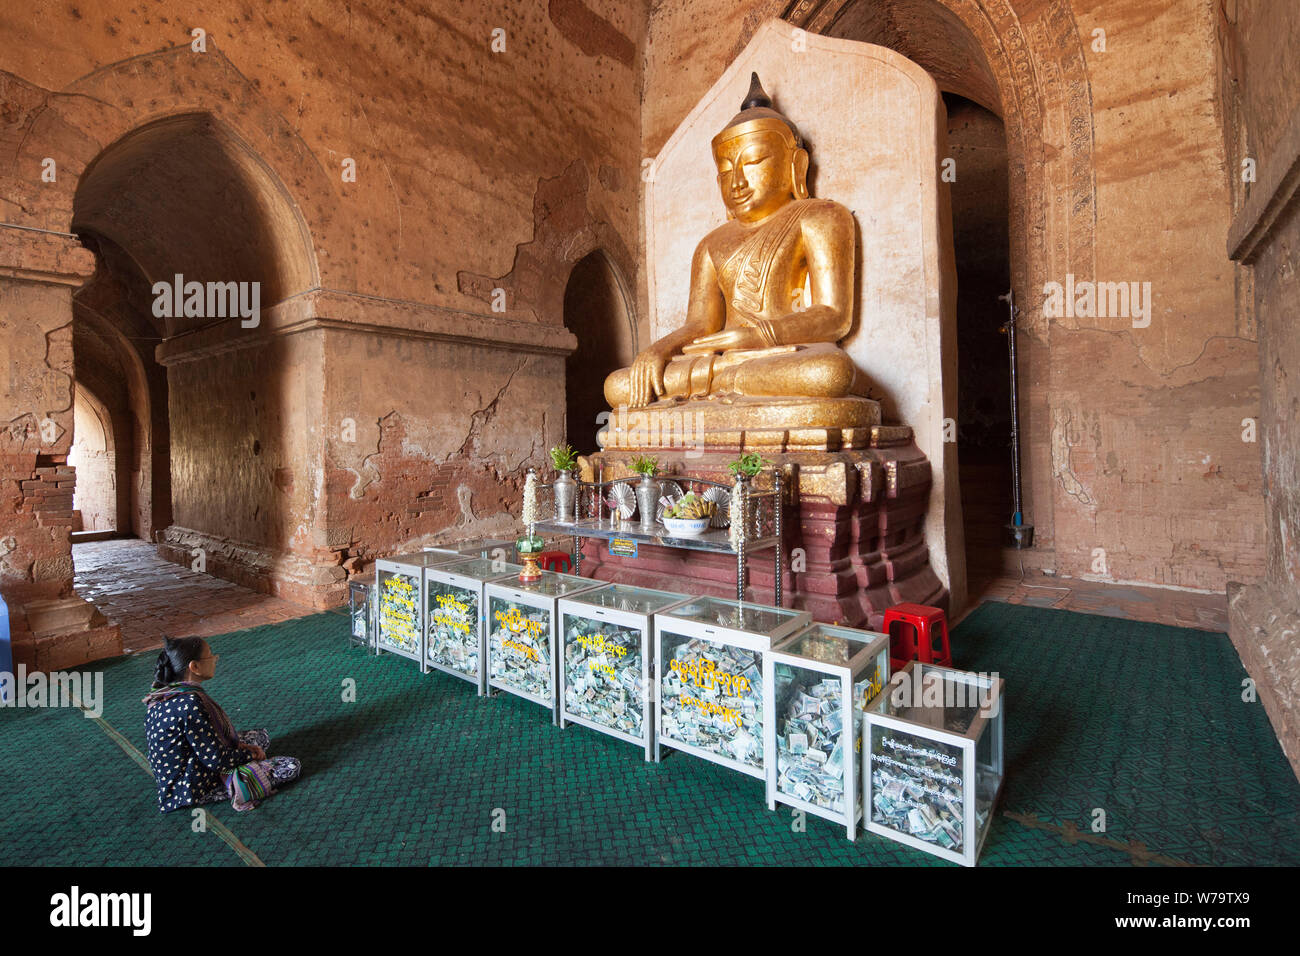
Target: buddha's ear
799,173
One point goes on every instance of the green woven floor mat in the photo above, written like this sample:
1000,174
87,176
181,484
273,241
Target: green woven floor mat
72,797
1143,721
1135,719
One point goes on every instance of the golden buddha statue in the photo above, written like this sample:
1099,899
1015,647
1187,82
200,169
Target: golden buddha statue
771,295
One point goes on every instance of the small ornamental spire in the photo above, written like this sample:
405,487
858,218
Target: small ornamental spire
757,112
756,96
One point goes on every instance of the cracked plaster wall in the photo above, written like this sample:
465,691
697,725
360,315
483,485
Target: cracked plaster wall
35,480
475,170
430,441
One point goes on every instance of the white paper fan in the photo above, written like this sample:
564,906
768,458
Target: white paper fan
722,513
622,500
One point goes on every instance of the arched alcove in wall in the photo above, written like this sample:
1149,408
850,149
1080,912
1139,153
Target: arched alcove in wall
113,343
215,429
172,163
1024,70
184,195
931,34
596,311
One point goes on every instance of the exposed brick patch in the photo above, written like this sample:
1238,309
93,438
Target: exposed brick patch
35,528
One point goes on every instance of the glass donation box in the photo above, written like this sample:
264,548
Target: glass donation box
497,549
934,760
361,612
398,596
440,549
607,655
521,623
453,605
818,682
709,664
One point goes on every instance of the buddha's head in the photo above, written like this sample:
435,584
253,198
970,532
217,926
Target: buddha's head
761,161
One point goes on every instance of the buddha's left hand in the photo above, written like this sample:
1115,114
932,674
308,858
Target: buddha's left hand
726,340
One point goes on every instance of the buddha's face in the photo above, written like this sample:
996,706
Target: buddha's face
755,174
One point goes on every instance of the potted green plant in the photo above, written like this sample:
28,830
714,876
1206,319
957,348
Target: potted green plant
743,470
563,457
647,489
747,466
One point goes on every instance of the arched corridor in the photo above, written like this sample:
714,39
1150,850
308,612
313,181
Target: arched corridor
194,237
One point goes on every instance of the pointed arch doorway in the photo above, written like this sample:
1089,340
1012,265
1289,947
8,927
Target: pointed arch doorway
597,312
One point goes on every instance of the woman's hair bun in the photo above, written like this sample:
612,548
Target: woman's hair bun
175,657
162,670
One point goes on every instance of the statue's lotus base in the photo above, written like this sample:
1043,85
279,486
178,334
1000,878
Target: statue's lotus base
738,423
854,533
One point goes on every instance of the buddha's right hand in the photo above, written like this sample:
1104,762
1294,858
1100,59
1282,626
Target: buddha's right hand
646,382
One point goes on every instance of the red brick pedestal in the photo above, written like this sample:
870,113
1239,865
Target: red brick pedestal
854,536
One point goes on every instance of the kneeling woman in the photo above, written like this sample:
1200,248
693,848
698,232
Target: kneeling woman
196,755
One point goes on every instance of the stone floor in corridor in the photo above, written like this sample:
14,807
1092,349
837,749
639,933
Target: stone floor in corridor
1203,610
149,597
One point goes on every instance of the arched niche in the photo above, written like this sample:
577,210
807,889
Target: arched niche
222,426
1025,70
182,164
596,311
114,336
184,195
929,34
981,248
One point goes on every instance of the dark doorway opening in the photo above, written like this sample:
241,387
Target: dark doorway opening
981,244
596,311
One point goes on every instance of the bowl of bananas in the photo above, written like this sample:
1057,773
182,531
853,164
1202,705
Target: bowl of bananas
689,516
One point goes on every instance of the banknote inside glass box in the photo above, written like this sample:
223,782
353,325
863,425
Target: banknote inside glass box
821,679
711,698
453,604
361,613
602,665
521,621
709,663
934,763
453,634
399,586
398,598
608,648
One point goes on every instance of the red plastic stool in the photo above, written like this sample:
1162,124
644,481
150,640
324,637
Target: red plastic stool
560,561
922,636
